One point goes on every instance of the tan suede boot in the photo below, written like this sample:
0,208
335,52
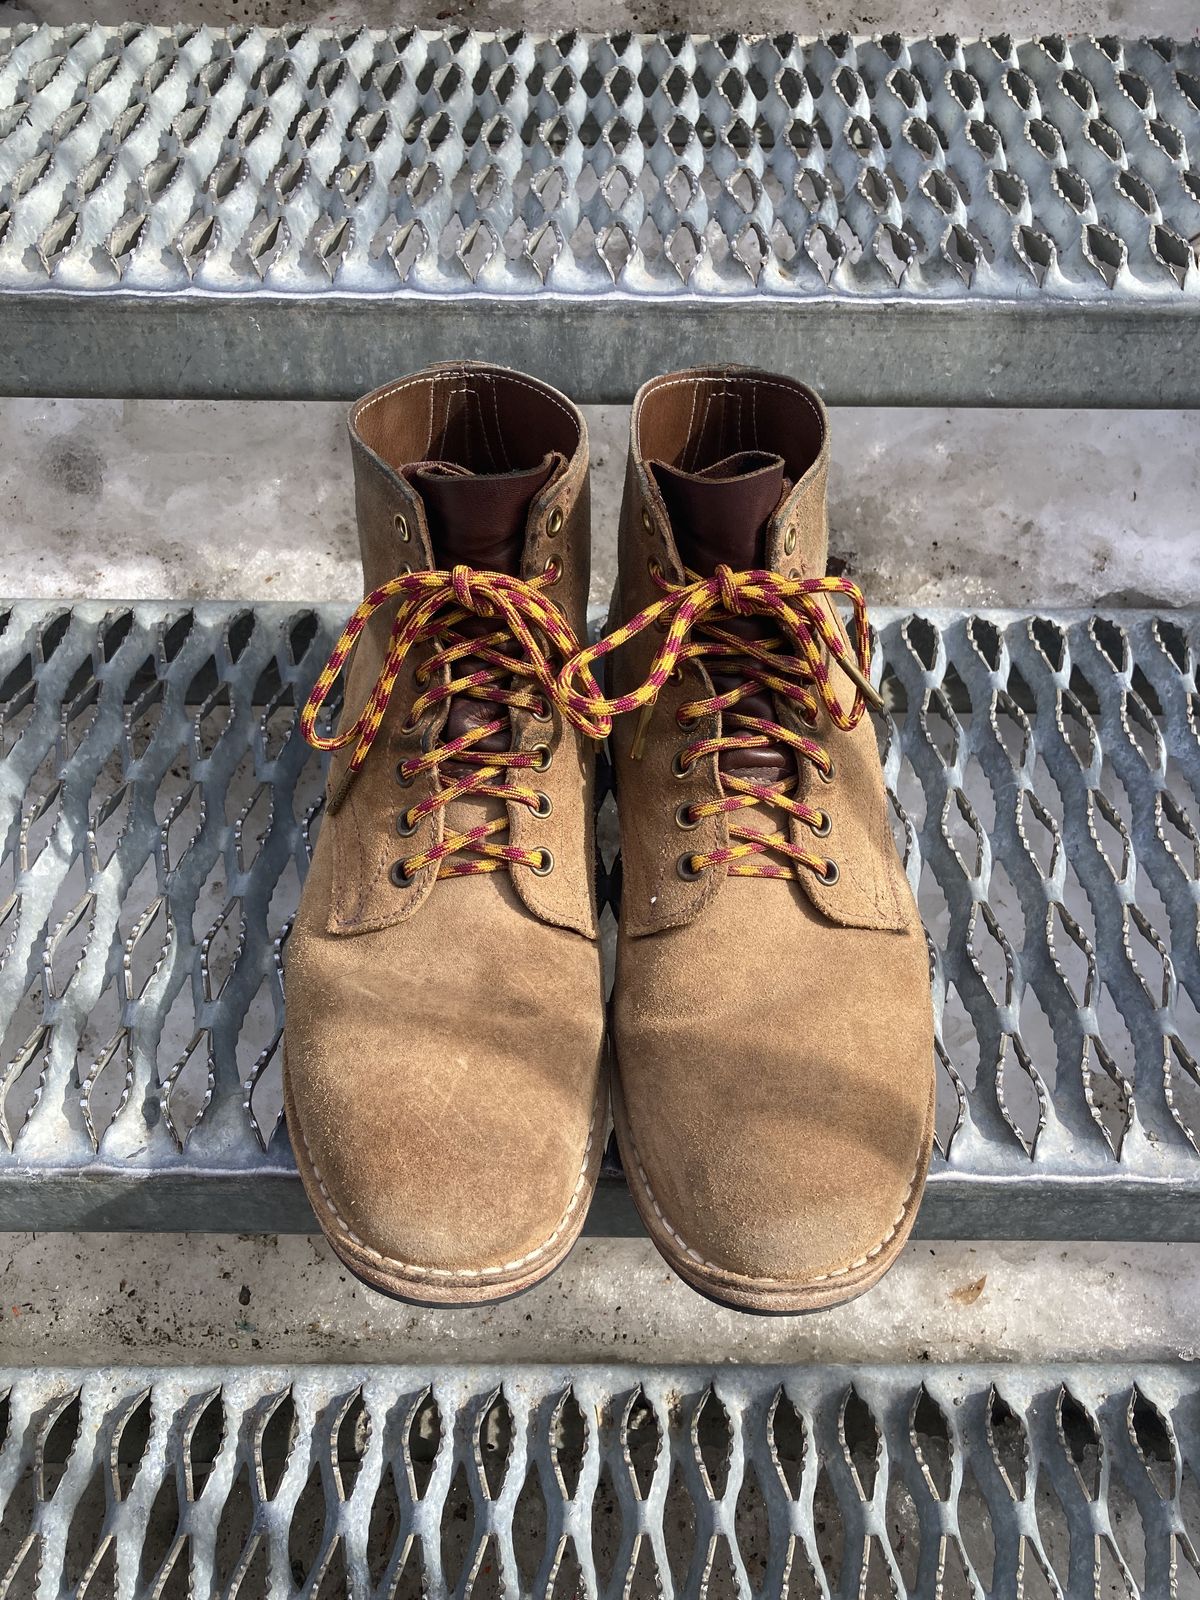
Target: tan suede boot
773,1028
444,1035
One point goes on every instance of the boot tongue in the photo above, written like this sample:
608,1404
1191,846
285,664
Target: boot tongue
477,519
720,516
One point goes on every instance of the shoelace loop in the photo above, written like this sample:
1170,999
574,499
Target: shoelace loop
431,606
691,613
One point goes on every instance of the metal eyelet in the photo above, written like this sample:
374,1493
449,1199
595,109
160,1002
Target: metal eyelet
647,521
552,571
402,527
686,723
544,806
546,754
826,774
554,521
822,829
789,541
405,827
546,865
408,727
680,767
400,878
402,777
546,714
684,817
831,874
685,869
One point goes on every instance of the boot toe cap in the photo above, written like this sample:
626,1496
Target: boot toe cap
827,1214
443,1162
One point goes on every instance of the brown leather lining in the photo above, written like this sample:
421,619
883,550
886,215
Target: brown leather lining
452,413
692,420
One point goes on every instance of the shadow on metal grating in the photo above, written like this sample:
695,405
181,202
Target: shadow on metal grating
601,1481
158,807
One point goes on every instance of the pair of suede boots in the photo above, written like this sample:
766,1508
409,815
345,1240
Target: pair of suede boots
771,1036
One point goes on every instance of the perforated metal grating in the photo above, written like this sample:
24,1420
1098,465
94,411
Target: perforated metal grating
576,171
157,158
1077,1482
157,806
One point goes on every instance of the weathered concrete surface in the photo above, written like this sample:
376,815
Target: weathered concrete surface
169,1297
138,498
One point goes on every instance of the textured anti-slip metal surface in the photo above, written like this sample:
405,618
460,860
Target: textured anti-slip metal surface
157,806
566,173
617,1482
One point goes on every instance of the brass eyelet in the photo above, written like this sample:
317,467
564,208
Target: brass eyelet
544,806
789,541
686,723
400,878
680,767
546,864
554,521
647,520
826,774
545,714
831,874
408,727
822,829
546,754
405,827
402,527
685,869
552,571
684,817
654,569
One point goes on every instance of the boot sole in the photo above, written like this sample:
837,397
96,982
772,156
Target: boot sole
764,1296
466,1290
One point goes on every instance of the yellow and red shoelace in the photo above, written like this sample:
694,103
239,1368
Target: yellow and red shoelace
691,613
430,606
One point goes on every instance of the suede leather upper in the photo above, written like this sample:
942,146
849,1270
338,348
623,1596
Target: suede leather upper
774,1039
444,1038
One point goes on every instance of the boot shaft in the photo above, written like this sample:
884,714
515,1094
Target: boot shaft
727,472
710,450
473,470
471,463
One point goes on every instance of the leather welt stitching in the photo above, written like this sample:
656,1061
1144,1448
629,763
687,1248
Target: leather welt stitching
745,1277
442,1272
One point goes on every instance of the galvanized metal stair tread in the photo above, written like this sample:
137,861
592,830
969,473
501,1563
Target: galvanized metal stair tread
371,1481
157,805
271,193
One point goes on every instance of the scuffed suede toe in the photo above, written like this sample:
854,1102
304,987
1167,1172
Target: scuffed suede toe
787,1156
415,1109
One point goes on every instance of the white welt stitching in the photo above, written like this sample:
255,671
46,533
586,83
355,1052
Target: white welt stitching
443,1272
745,1277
